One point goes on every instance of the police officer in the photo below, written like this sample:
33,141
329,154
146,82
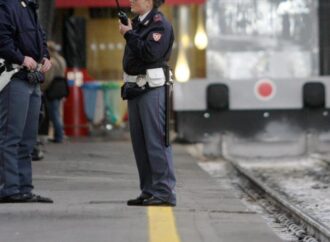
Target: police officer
149,39
22,43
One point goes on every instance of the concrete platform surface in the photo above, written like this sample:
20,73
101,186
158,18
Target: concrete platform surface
90,182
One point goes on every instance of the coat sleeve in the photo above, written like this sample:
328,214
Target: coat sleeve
45,52
153,47
8,51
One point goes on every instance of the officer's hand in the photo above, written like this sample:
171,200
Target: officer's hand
46,65
29,63
125,28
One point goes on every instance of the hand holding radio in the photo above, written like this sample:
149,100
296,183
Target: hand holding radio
125,28
122,15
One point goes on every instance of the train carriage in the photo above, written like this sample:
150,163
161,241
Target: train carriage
267,65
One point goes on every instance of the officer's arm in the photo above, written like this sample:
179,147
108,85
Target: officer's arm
7,33
151,49
45,52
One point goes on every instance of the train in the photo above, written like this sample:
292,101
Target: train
268,65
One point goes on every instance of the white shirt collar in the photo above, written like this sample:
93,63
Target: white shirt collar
142,17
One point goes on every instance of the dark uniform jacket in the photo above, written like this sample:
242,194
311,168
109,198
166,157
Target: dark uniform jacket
20,32
149,44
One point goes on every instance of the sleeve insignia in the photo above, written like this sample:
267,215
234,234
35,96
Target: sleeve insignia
156,36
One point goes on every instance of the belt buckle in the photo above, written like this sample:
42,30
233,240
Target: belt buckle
141,80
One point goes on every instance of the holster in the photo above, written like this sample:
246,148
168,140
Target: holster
168,104
35,77
130,90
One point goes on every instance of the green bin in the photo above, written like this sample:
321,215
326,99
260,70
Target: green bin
115,107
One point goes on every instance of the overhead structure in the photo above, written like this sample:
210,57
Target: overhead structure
110,3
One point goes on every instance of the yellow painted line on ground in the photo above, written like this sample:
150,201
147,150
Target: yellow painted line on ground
162,226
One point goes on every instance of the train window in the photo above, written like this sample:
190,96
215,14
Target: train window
252,39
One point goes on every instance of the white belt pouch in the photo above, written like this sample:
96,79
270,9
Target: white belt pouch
155,77
6,76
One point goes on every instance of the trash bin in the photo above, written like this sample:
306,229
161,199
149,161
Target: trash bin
75,122
93,102
115,108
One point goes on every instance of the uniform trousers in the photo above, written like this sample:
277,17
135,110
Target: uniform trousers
154,160
19,115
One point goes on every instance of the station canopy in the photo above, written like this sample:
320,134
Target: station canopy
112,3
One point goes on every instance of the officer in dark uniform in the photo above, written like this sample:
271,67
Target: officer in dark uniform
22,43
149,39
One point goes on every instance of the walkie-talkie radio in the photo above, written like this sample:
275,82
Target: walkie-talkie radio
122,15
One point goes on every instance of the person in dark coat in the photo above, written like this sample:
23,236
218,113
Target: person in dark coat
23,44
149,39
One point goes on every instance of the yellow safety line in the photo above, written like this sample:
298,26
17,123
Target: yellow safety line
162,227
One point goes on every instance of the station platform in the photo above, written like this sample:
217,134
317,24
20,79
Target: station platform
90,181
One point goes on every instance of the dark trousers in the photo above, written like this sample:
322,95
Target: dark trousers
44,117
154,160
55,118
19,114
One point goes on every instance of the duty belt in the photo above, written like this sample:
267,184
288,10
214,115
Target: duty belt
155,77
140,80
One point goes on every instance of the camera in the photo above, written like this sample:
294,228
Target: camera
35,77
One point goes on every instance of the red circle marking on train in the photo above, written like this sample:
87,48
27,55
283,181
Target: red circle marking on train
265,89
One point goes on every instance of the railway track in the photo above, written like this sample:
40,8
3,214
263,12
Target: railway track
308,224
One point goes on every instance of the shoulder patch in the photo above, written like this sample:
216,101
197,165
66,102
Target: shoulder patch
156,36
158,18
